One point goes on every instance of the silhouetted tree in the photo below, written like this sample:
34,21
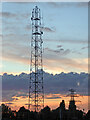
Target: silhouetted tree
87,117
23,114
7,113
46,113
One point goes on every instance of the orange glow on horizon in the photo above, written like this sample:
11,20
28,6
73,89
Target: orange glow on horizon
51,102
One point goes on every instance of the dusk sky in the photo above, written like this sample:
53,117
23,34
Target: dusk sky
65,49
65,37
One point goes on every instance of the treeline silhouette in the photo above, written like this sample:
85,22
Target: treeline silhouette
61,113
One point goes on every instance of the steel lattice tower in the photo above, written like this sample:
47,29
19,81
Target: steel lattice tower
36,91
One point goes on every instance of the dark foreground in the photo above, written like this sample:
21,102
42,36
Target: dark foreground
46,114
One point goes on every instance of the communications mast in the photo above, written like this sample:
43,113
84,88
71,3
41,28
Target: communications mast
72,105
36,90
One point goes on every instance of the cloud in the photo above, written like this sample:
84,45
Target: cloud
8,15
68,41
7,95
14,15
16,58
84,47
74,41
9,103
12,20
10,95
77,52
58,81
22,94
54,59
57,64
15,87
27,104
53,96
60,50
68,4
59,46
47,29
18,51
